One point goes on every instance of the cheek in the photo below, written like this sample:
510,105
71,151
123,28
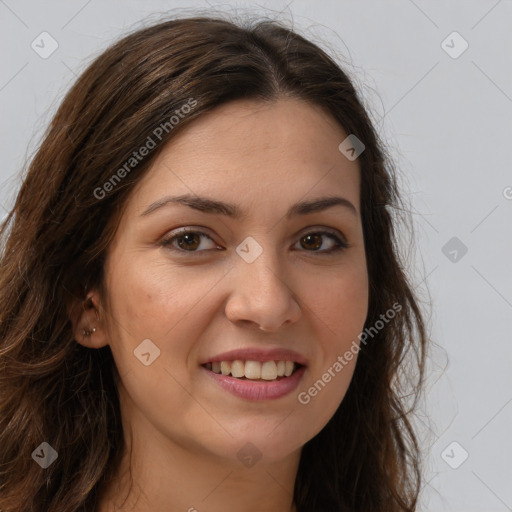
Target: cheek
347,316
148,299
340,303
161,302
340,312
145,304
153,311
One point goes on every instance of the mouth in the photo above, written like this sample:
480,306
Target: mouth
256,381
262,371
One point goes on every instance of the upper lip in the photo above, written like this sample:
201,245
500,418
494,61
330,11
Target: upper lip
258,354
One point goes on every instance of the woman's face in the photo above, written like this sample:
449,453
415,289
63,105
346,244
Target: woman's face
179,302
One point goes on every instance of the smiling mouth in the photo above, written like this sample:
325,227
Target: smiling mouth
254,370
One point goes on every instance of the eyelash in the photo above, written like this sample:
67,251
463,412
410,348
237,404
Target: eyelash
167,242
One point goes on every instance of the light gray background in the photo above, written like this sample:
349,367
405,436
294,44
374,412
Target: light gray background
448,123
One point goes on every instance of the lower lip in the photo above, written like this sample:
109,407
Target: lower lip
258,390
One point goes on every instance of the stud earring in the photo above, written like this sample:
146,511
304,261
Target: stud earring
88,333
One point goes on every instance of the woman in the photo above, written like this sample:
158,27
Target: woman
202,303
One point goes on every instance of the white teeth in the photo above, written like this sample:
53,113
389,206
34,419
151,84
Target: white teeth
254,370
225,367
269,370
238,368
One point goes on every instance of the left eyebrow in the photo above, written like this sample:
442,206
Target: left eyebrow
212,206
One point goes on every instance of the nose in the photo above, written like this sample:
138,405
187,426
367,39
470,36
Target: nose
261,294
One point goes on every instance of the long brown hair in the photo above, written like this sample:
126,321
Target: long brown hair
55,238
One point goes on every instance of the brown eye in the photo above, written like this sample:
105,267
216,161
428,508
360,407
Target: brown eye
186,241
313,242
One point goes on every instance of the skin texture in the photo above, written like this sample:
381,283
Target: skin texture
185,430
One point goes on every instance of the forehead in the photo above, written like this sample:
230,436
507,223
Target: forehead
254,152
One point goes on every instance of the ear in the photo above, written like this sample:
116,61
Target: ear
85,316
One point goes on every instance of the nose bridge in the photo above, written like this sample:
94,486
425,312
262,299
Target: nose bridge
260,267
267,271
261,293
